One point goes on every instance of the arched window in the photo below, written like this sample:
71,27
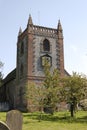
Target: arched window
46,45
22,48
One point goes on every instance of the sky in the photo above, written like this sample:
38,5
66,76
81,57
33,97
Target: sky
73,17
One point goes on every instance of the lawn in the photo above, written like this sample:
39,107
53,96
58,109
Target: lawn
58,121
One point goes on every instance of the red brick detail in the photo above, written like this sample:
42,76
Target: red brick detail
30,54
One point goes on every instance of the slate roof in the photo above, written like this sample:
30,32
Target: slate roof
10,76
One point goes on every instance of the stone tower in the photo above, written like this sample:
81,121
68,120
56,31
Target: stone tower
34,44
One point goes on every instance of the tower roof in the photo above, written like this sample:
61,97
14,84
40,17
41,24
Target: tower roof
20,31
59,25
30,20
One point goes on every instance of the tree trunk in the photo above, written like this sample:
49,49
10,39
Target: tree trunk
72,110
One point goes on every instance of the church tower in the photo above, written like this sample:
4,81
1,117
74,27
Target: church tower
35,44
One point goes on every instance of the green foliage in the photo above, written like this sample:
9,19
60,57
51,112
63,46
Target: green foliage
52,85
70,89
35,95
45,95
74,90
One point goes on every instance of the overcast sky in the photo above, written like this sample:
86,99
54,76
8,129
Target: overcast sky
73,17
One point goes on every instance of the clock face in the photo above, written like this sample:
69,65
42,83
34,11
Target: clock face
46,58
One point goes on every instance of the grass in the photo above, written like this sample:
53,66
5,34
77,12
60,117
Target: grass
58,121
2,116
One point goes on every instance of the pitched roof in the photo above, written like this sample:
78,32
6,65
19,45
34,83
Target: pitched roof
66,73
10,76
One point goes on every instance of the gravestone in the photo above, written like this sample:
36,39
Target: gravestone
14,120
3,126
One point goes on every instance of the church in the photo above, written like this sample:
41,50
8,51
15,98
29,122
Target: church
34,44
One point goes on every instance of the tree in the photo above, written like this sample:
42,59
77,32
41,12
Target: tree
74,90
35,95
52,85
46,94
1,76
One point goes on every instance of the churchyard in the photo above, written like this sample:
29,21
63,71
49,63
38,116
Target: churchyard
36,121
